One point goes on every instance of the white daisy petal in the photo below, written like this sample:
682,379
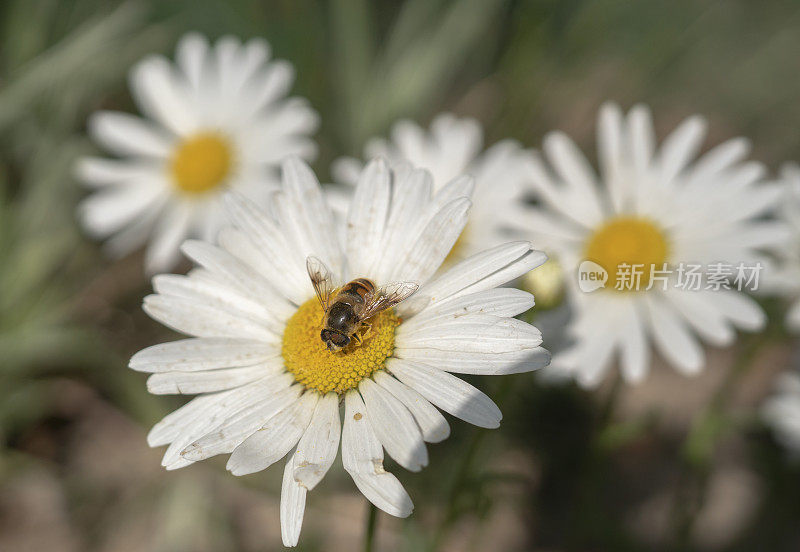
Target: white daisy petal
432,424
480,272
635,354
205,381
362,457
189,355
219,295
501,302
99,172
317,449
673,339
367,216
187,317
274,439
125,134
489,334
680,147
113,208
161,96
293,505
425,253
191,56
278,265
451,394
168,234
470,362
243,423
394,426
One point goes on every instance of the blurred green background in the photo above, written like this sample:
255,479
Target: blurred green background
668,465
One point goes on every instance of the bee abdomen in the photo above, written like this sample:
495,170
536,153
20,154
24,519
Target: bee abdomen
359,289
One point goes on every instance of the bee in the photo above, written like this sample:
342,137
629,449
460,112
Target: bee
347,309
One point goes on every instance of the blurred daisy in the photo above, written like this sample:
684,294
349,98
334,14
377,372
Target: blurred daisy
217,120
451,148
781,411
268,387
784,278
650,208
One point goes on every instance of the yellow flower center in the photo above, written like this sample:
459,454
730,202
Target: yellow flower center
636,242
201,162
315,367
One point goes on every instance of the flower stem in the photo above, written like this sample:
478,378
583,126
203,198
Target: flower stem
369,531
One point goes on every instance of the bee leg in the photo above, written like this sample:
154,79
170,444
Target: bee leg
364,330
358,339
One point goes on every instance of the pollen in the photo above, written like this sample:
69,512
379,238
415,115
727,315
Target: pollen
634,241
315,367
201,162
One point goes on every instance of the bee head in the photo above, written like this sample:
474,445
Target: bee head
335,340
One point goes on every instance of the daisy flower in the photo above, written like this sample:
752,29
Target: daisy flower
451,148
784,278
216,120
781,411
660,210
269,387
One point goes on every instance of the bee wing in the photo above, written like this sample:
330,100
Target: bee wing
322,280
388,296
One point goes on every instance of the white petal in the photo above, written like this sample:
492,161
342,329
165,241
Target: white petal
740,309
213,293
101,171
317,449
362,457
240,276
426,251
161,95
125,134
169,232
477,333
313,217
242,423
206,381
680,147
284,277
191,55
202,354
501,302
200,416
431,423
468,362
635,351
293,505
673,339
107,211
698,309
185,316
448,392
367,217
480,272
278,436
394,426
